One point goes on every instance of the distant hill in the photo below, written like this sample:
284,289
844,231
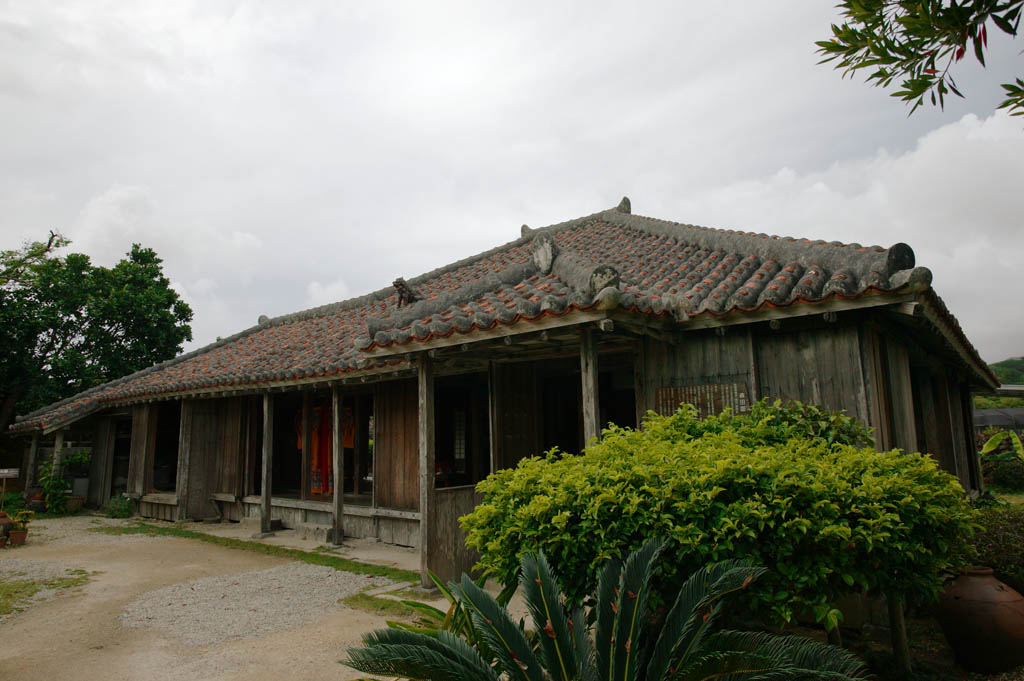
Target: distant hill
1010,370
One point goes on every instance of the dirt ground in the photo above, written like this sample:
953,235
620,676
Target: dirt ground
78,634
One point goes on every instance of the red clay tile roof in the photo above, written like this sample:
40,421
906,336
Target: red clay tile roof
611,259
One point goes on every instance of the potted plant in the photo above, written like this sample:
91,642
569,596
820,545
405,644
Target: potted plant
19,531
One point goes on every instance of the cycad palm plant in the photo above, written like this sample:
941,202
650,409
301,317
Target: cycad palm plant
616,643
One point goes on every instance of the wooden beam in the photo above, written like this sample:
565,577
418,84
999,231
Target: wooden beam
307,446
793,310
591,399
184,459
755,374
338,462
268,462
426,462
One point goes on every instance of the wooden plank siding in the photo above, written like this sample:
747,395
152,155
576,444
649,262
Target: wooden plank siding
143,446
396,446
102,465
449,557
817,366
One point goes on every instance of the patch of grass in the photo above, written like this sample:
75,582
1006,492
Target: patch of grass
15,593
378,606
1012,498
409,594
336,562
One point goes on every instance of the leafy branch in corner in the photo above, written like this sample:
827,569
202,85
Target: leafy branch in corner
918,43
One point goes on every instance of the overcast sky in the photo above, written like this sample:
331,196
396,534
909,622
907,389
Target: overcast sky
283,155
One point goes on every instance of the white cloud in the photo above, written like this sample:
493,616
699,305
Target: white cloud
263,149
954,197
322,294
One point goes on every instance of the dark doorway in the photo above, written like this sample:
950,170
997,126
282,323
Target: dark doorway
461,430
165,452
286,478
357,441
121,456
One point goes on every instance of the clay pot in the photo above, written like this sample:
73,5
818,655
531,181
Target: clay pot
983,620
17,537
5,523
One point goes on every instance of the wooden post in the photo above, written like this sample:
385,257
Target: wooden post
184,459
307,446
898,636
268,461
755,390
492,416
30,467
640,382
591,399
58,453
338,461
426,452
357,449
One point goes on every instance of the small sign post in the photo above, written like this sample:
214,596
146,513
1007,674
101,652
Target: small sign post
4,474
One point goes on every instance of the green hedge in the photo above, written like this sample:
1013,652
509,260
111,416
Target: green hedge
1001,543
826,519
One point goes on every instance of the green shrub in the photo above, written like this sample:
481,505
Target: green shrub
54,490
1002,460
825,520
1001,543
119,507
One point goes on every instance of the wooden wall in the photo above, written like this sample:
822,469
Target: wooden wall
449,557
140,466
396,445
696,359
818,365
101,467
215,454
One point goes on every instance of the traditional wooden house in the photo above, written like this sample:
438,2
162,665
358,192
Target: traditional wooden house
376,416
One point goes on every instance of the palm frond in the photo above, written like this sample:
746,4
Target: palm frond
417,662
726,666
634,587
506,640
820,660
545,604
586,660
695,611
606,616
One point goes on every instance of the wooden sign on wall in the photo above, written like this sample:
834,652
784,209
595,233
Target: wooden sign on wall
709,398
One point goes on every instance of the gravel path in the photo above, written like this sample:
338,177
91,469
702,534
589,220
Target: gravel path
74,530
247,605
17,569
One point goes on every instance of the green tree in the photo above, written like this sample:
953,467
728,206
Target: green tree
919,42
67,325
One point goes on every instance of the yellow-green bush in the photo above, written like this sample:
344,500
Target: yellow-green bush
826,519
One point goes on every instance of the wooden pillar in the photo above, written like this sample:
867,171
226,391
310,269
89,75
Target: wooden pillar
338,461
755,389
591,399
492,416
58,452
307,448
184,459
268,462
426,456
30,465
640,382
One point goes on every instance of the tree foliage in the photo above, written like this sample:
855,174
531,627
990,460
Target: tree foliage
67,325
919,42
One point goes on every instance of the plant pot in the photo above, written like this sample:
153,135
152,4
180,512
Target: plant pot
5,524
75,503
17,537
983,620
